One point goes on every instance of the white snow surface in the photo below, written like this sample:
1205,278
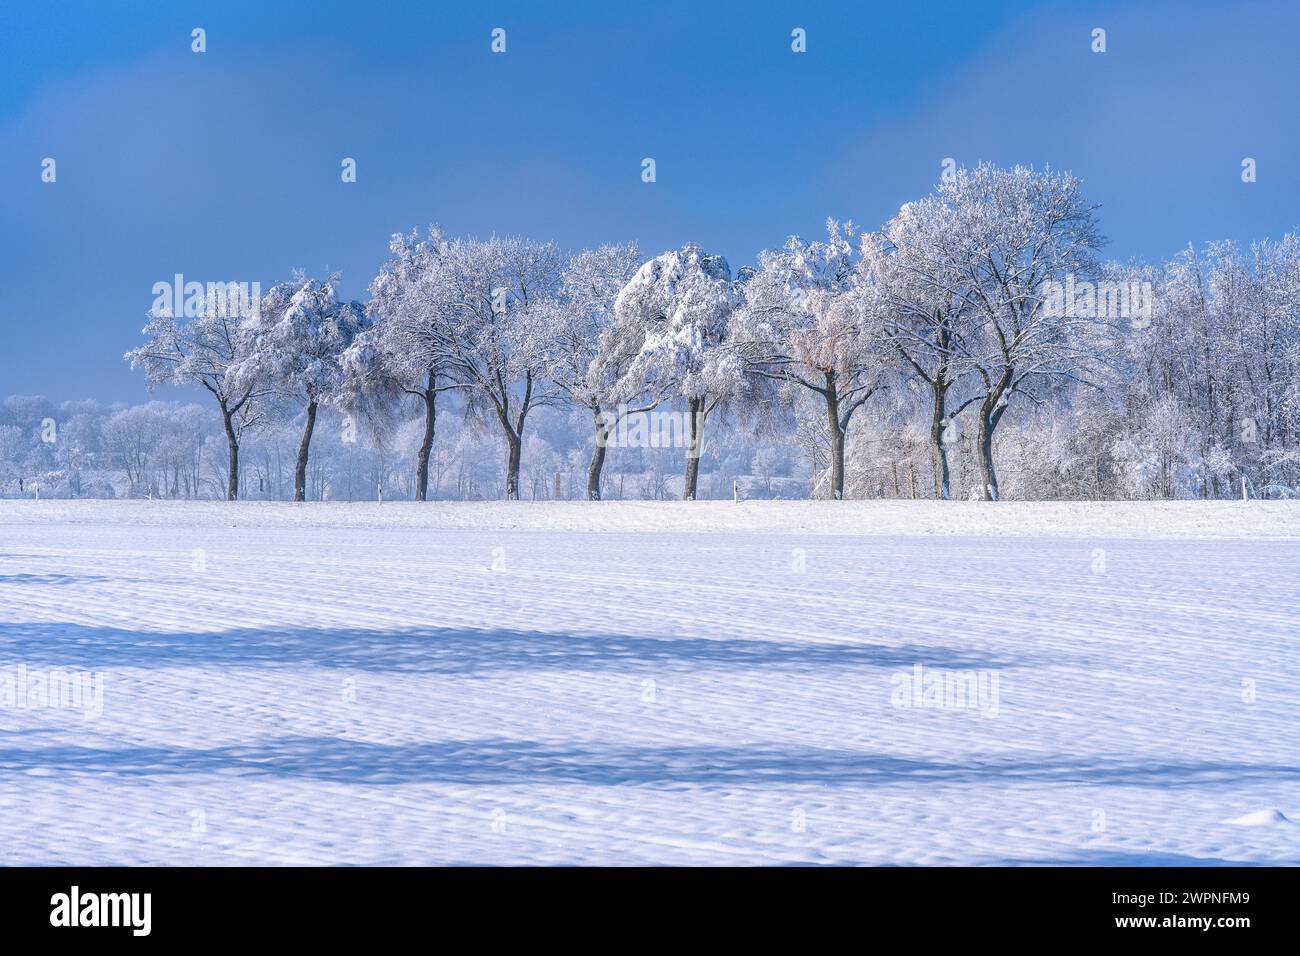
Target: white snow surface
651,682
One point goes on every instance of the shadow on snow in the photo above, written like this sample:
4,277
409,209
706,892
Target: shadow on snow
450,650
506,762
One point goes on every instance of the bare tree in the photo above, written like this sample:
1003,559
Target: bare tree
503,315
594,348
995,239
296,342
207,352
805,322
923,314
682,302
407,350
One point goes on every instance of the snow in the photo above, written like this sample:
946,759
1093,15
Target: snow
1114,519
1260,818
652,682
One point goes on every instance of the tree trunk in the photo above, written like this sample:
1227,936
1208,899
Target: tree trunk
516,447
597,458
514,437
988,474
697,415
426,443
942,481
232,457
991,410
837,437
304,449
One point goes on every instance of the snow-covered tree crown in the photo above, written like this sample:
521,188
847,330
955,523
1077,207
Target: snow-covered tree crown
298,339
592,351
683,300
806,307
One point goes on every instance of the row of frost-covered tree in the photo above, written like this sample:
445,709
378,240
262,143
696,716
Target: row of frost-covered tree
975,346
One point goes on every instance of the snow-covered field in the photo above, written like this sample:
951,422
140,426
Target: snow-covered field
650,683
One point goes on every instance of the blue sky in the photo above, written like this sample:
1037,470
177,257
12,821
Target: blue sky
225,165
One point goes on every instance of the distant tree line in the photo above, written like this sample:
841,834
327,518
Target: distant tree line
976,346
